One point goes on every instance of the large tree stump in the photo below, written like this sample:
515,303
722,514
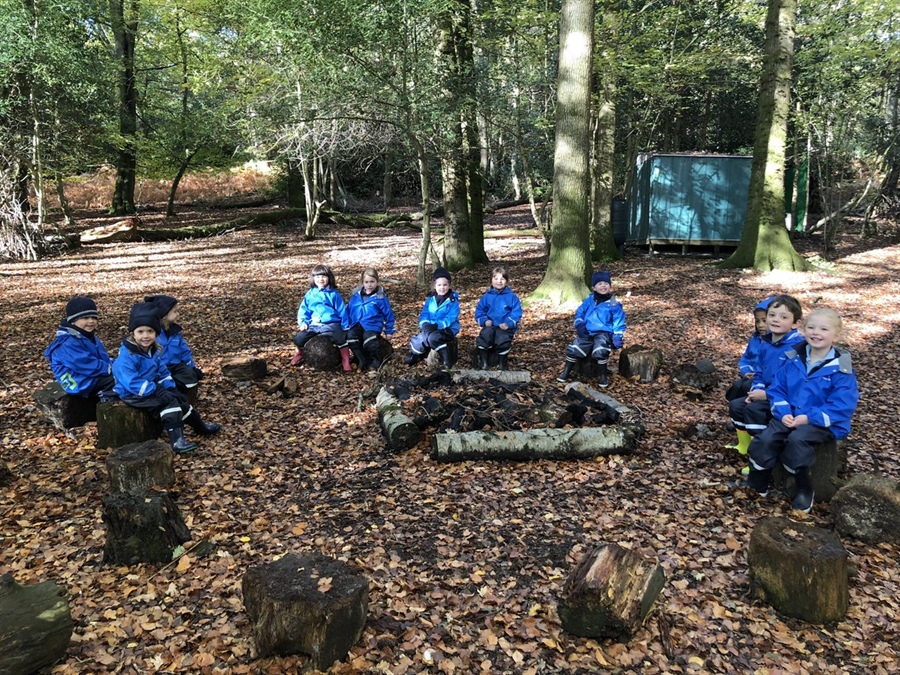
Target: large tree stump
62,410
801,570
609,593
643,363
536,444
142,528
244,368
306,603
399,430
322,354
119,424
831,461
695,379
137,467
868,508
35,625
506,376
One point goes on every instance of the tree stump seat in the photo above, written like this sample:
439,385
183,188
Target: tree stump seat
306,603
868,508
244,368
320,353
800,570
695,379
831,462
35,625
609,593
63,410
119,424
136,467
641,363
140,528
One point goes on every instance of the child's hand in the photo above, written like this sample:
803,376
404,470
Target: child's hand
488,322
304,327
503,326
617,342
756,395
749,376
792,422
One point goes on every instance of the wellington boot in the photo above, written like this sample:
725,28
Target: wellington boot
758,480
803,495
345,359
502,362
360,357
446,357
485,360
180,445
743,442
567,370
412,358
200,427
297,358
602,375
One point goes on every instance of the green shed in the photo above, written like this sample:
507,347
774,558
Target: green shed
688,199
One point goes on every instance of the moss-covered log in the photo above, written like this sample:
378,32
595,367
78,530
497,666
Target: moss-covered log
35,625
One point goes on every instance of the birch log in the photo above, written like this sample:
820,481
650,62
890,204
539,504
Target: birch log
399,430
505,376
536,444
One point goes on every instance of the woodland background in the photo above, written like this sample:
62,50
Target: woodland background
466,560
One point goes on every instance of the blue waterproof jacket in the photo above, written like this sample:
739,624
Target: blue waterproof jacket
827,394
772,356
372,312
607,316
501,306
140,373
445,315
320,306
78,359
748,361
174,348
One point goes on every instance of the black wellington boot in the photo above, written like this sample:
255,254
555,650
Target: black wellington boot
180,445
201,427
485,362
803,496
502,362
446,357
360,357
567,370
602,375
758,480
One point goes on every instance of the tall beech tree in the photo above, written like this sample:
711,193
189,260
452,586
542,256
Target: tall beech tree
124,17
765,243
569,266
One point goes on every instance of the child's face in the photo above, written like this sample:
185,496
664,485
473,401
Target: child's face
780,321
370,284
171,317
498,282
442,286
602,287
759,316
320,280
821,332
144,336
87,324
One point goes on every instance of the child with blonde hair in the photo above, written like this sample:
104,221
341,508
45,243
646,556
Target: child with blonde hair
369,314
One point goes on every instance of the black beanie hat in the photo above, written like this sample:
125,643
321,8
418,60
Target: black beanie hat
440,273
81,307
163,303
144,314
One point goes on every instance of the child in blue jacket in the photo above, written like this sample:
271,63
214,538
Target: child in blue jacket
144,382
751,414
369,314
438,321
498,313
77,357
322,312
176,353
813,398
747,365
599,328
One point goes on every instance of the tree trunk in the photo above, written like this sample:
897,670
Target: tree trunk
137,467
424,183
182,169
387,185
124,15
142,528
535,444
603,244
765,243
457,233
507,376
35,625
569,266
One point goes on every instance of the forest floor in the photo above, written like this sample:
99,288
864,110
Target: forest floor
466,561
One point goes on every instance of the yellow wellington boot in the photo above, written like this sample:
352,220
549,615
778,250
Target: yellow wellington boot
743,442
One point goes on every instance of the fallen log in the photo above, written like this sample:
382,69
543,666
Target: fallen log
536,444
130,229
367,220
35,625
399,430
244,368
506,376
599,396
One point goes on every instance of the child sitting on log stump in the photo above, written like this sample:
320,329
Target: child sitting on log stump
498,313
78,359
144,382
747,365
438,321
369,314
599,328
750,414
176,353
322,312
813,398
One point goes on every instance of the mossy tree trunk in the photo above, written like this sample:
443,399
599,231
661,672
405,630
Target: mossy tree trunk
569,266
765,243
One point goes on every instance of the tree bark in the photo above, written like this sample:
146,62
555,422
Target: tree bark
765,243
399,430
142,528
569,265
603,244
535,444
35,625
124,15
507,376
137,467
